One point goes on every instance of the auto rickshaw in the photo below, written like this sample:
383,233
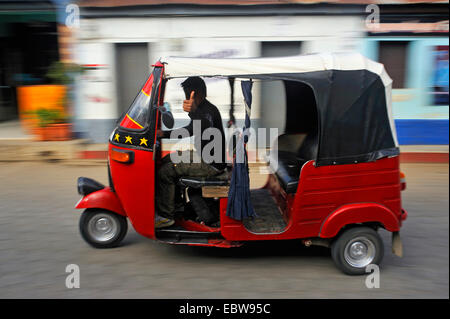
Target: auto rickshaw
336,178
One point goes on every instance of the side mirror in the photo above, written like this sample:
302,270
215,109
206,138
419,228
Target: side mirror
166,116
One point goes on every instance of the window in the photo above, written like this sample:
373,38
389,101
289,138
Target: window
439,80
280,48
393,54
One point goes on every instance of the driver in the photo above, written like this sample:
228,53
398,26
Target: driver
207,116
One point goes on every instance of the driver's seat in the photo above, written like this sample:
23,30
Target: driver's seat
222,179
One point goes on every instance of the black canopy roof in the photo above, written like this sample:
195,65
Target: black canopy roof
352,95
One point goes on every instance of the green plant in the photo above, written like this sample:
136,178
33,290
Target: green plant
47,117
62,73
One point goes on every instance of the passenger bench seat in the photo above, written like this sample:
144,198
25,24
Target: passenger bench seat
288,164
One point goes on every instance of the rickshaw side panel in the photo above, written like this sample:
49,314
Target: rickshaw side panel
358,213
135,185
105,199
323,190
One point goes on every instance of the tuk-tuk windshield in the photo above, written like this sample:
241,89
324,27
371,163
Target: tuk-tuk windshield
136,117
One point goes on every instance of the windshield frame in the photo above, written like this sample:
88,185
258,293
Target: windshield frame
155,88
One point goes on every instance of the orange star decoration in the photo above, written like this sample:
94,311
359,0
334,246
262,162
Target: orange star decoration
143,141
116,137
128,139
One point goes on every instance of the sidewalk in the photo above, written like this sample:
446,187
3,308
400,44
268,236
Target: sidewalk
424,153
76,152
17,145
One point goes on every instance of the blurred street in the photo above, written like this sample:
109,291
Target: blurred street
39,237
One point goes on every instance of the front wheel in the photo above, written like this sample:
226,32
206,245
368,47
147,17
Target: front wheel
101,228
356,248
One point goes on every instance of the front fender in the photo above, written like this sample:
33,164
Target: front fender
358,213
105,199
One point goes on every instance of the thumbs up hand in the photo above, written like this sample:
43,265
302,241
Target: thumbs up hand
189,105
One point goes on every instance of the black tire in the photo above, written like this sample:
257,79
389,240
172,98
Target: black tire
119,226
364,237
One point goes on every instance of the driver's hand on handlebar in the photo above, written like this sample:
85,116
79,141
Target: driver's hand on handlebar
189,105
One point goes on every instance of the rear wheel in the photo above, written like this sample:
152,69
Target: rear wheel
102,229
356,248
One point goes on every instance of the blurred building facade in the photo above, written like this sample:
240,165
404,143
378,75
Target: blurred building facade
119,40
118,43
28,46
412,42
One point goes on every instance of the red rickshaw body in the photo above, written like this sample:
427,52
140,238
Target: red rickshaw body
105,199
330,197
135,189
132,188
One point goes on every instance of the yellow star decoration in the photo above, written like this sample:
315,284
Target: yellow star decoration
116,137
143,141
128,139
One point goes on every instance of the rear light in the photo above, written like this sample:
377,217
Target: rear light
402,181
122,156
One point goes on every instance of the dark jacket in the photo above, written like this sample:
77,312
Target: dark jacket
209,117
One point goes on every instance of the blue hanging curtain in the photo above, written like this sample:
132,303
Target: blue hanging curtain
239,204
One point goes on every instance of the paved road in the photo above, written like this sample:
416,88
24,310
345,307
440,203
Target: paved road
39,237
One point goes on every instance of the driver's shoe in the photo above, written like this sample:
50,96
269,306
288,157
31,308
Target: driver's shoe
161,222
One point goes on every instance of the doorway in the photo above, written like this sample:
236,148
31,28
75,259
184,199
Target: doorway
133,68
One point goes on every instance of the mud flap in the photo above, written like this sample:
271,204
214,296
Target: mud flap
397,247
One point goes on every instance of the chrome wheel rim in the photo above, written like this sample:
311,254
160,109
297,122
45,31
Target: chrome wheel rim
359,252
103,227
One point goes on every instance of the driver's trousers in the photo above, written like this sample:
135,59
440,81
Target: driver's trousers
168,176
